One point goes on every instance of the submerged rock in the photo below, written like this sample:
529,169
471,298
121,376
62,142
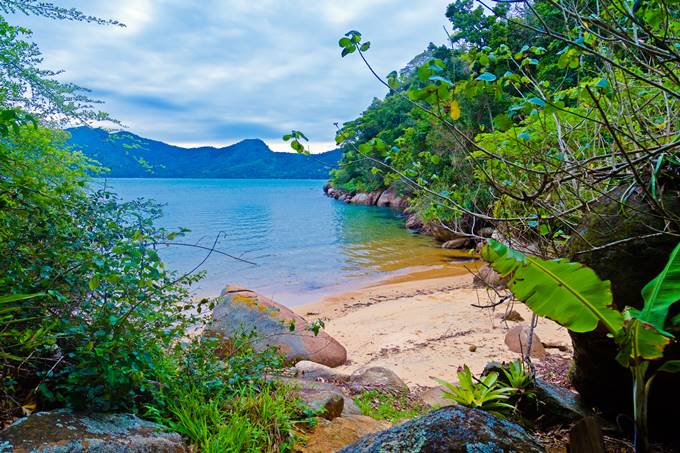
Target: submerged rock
240,310
65,431
448,430
458,243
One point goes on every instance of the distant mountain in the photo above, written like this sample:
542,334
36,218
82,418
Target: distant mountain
130,156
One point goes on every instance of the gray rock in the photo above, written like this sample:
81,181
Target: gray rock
312,370
320,395
68,432
377,377
557,405
450,429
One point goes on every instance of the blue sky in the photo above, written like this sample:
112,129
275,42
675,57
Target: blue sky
214,72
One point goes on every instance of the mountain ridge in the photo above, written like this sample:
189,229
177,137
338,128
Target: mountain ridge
128,155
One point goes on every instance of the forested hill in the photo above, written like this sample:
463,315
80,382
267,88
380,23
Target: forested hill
131,156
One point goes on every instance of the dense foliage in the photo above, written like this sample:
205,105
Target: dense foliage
543,109
90,318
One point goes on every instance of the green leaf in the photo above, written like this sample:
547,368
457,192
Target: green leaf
345,42
486,76
662,292
365,46
570,294
672,366
93,283
640,341
18,297
537,101
602,83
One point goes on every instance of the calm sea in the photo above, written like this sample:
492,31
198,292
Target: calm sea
303,244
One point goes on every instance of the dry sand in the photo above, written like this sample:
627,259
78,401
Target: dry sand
423,326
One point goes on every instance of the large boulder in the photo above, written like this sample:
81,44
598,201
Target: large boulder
448,430
391,198
629,265
65,431
330,436
377,378
239,310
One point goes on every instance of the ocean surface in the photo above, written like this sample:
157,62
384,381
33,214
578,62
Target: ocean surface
303,244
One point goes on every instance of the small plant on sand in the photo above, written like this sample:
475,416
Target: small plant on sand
572,295
485,393
382,405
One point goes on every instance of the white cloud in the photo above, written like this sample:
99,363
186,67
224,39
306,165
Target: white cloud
217,71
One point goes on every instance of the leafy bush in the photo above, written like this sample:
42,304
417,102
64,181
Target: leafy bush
226,405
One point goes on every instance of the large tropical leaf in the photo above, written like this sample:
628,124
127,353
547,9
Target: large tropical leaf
640,341
662,292
570,294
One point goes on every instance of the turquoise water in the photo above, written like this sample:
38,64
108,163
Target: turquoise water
303,243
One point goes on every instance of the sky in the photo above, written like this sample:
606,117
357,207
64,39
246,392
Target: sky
214,72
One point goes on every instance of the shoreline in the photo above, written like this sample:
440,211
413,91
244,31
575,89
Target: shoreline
424,328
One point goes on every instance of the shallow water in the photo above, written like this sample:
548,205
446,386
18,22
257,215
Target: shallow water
304,244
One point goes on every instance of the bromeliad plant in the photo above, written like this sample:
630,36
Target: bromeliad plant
572,295
487,393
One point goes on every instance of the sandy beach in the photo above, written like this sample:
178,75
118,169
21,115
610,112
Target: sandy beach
423,326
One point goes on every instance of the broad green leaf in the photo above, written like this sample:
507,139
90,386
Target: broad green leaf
18,297
672,366
662,292
640,341
570,294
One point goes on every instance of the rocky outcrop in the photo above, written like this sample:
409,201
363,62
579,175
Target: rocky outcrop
65,431
389,197
241,310
448,430
517,340
366,199
377,378
330,436
392,199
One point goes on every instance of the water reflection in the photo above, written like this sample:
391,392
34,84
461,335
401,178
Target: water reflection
304,243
